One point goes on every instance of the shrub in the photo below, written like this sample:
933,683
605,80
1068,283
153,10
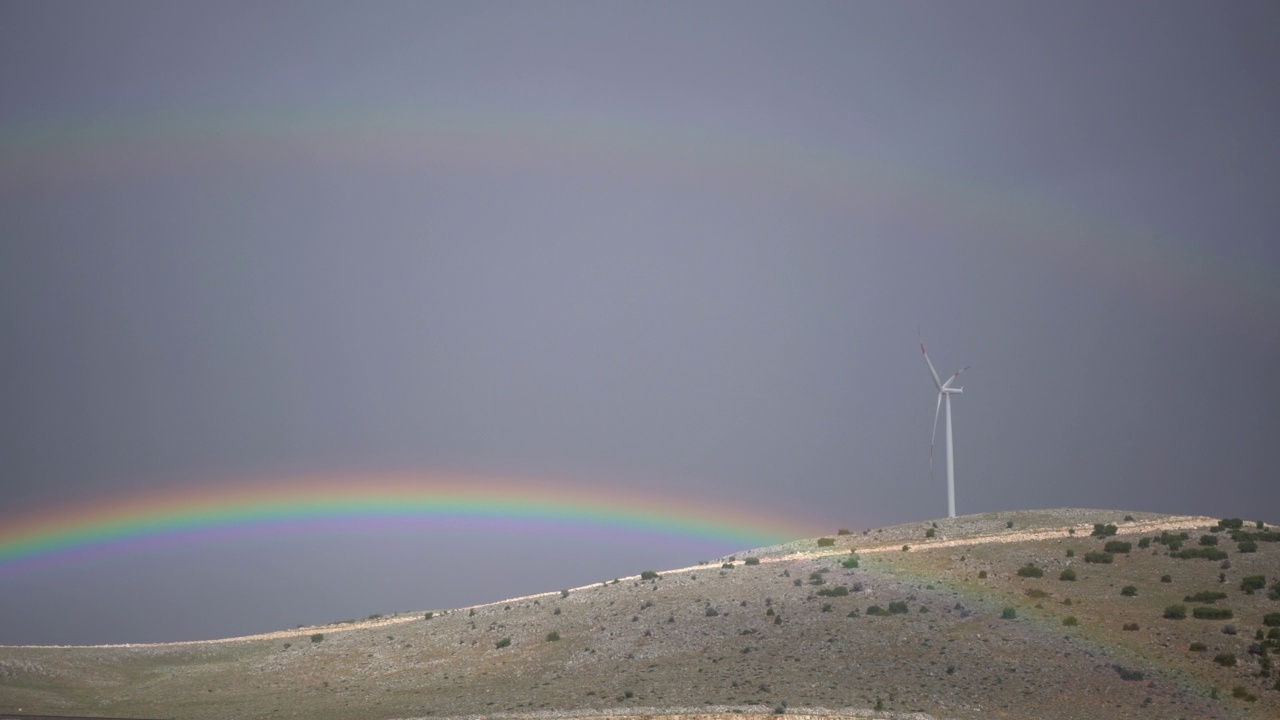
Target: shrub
752,561
826,542
1229,629
1205,596
1129,591
1231,523
504,642
1103,558
553,636
726,566
1273,633
1206,612
1253,582
428,615
1247,546
1070,621
1036,593
1144,543
898,607
1198,647
711,612
1166,578
1030,571
837,591
1128,518
930,533
877,610
649,575
1071,553
1100,530
1067,574
1118,546
1271,619
843,531
905,548
1008,525
1208,553
1009,613
849,563
1208,539
1241,693
556,611
1128,674
982,574
1130,627
1176,612
317,637
1225,659
563,594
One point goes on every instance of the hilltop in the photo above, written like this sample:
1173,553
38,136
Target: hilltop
969,617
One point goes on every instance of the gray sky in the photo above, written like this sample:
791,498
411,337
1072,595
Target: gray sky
684,248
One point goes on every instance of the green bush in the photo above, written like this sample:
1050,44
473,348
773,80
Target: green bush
649,575
726,566
1207,612
877,610
563,594
1100,530
898,607
1009,613
1208,540
553,636
1253,582
906,548
1225,659
1176,612
1103,558
826,542
1071,553
504,642
1166,578
317,637
1247,546
1144,543
428,615
930,533
1205,596
1207,553
1118,546
1241,693
1067,574
752,561
982,574
1128,674
1129,591
837,591
1130,627
849,563
844,531
1271,619
1231,523
1198,647
1030,571
1070,621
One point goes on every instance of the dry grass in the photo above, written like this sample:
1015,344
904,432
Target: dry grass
640,648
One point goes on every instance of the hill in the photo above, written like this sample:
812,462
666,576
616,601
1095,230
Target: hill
971,617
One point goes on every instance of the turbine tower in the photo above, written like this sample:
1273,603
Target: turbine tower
945,391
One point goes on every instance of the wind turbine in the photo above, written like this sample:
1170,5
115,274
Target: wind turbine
945,391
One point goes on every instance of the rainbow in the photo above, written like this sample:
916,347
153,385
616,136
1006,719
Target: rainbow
39,154
200,514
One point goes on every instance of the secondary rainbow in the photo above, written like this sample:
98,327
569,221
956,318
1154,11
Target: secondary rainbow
119,525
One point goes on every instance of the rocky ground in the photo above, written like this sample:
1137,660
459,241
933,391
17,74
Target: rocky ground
793,632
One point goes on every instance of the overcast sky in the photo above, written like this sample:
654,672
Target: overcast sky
682,247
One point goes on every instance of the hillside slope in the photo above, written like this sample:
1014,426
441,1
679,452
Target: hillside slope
962,635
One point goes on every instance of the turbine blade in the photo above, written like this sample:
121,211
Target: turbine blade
955,375
934,437
936,380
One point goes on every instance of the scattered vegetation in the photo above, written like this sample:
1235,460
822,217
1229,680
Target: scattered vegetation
1208,553
1144,543
1030,570
726,566
428,615
1271,619
897,607
1127,673
843,531
930,533
317,637
1239,692
1100,530
1129,591
1198,647
1207,612
1067,574
1225,659
1205,596
906,548
650,575
504,642
752,561
553,636
563,594
982,574
1131,627
1118,546
849,563
1247,546
836,591
826,542
1009,613
1103,558
1166,578
1176,612
1208,540
1070,621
